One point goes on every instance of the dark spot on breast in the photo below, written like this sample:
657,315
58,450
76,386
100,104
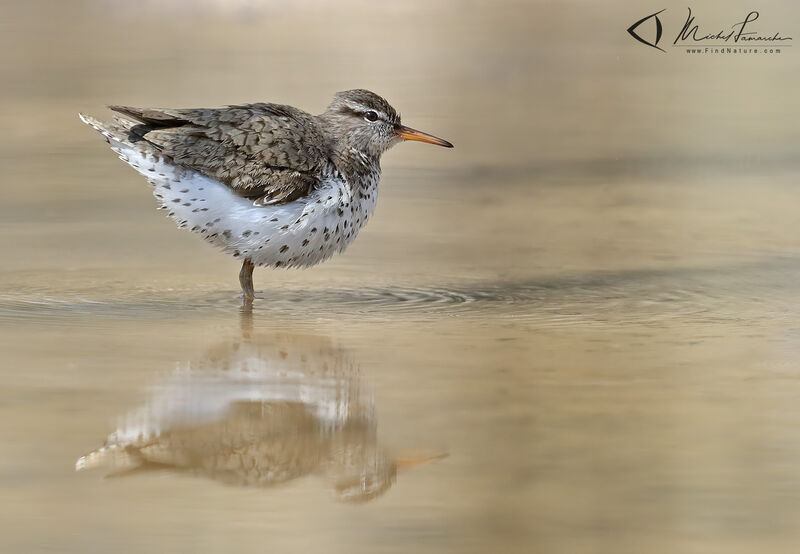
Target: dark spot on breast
203,209
305,242
218,220
313,229
284,248
278,264
226,233
187,203
247,233
166,186
284,227
185,190
176,200
274,219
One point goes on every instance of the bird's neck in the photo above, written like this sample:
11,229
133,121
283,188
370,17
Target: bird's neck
357,167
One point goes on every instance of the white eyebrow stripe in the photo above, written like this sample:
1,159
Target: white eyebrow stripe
360,108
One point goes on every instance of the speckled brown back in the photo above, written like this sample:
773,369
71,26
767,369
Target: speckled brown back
267,151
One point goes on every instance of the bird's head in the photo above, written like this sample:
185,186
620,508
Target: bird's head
362,470
363,121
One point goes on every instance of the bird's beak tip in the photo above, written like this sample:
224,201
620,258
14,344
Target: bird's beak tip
418,459
407,133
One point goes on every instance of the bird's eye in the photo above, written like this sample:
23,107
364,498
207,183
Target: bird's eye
371,116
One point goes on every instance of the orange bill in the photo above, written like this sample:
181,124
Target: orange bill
417,460
407,133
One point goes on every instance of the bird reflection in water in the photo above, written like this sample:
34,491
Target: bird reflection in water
259,413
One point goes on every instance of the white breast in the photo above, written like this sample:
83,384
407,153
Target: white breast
297,234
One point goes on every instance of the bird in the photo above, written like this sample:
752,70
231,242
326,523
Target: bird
270,184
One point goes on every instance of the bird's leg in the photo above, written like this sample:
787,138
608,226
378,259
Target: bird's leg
246,280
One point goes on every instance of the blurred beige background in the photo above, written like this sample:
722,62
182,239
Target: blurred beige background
531,94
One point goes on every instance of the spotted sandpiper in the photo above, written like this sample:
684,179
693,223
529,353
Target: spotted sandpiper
268,183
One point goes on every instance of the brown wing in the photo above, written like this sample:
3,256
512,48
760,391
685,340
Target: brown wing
270,152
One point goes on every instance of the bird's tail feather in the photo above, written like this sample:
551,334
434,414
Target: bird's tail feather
117,132
113,455
121,134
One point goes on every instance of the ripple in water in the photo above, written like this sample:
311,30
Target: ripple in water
620,297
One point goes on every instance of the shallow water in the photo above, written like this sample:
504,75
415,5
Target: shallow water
575,332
